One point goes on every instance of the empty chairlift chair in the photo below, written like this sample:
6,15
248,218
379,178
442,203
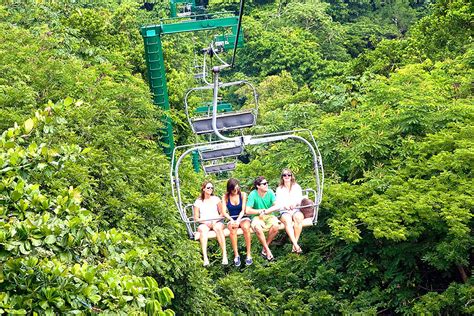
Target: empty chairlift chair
213,162
201,123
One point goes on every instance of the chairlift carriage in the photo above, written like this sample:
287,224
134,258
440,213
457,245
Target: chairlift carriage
217,119
214,155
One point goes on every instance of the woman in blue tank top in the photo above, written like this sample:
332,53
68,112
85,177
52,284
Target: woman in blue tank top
233,204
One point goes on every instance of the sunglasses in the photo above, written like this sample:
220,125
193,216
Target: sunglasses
263,183
286,175
210,188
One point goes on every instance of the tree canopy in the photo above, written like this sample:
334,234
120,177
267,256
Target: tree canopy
88,223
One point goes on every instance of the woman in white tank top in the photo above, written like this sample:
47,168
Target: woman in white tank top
207,212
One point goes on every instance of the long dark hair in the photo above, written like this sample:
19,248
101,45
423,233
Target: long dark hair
203,186
231,184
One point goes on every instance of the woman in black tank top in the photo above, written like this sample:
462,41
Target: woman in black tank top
233,204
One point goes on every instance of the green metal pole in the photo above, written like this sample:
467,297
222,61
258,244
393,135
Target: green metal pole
195,159
173,9
157,80
156,67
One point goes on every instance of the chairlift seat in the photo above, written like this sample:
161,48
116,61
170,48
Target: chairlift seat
221,153
219,168
212,234
307,221
225,122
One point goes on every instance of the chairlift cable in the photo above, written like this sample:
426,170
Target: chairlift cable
241,13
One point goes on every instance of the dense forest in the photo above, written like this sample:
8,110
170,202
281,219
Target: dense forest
88,224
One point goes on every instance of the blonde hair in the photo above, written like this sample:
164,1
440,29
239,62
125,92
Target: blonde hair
282,182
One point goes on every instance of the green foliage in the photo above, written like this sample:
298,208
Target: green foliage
88,224
54,258
454,300
240,294
122,176
447,32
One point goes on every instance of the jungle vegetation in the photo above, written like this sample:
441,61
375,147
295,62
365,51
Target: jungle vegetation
87,222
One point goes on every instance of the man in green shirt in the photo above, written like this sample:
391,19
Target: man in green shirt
261,205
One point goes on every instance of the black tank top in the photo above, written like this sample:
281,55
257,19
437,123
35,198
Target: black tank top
234,210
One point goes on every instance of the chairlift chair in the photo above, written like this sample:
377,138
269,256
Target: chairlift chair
226,121
231,148
182,8
218,122
226,41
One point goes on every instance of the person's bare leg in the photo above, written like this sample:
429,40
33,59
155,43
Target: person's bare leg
261,237
272,232
219,229
245,225
298,218
288,222
204,230
233,239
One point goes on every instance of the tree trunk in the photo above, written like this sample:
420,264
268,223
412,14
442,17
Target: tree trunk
462,272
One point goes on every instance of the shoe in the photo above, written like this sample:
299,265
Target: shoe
225,261
237,261
248,261
269,257
206,263
263,254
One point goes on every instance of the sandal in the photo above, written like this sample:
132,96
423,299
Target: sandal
298,250
263,254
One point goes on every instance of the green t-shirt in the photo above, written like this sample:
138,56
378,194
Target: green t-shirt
257,202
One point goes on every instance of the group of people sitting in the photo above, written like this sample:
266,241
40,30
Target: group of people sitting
260,210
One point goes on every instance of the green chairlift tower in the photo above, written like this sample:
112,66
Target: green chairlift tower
154,54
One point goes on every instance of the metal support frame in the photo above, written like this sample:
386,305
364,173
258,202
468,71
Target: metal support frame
246,141
156,67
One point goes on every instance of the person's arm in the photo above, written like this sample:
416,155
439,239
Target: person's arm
250,203
272,208
251,211
220,210
224,209
196,213
280,199
244,203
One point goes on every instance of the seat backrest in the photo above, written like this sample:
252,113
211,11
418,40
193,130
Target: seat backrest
219,168
224,122
221,153
207,108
